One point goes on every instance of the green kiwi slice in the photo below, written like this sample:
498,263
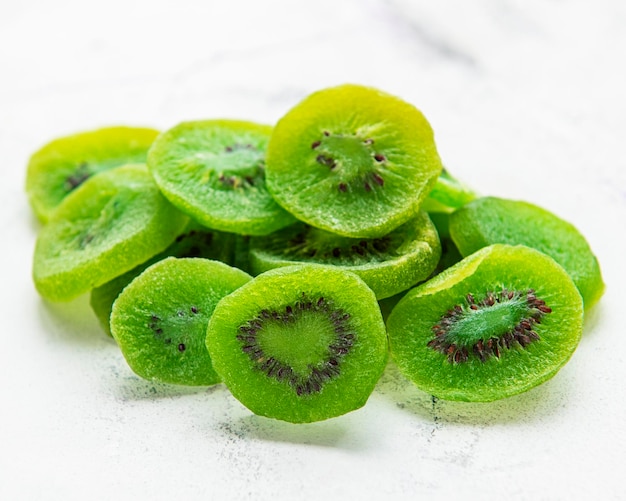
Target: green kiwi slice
352,160
302,343
388,264
159,320
62,165
214,171
194,241
490,220
449,193
115,221
500,322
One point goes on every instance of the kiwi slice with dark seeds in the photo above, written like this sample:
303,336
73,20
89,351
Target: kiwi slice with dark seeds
194,241
301,343
490,220
388,264
498,323
62,165
159,320
214,171
115,221
352,160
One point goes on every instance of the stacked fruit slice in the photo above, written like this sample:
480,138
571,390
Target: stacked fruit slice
264,257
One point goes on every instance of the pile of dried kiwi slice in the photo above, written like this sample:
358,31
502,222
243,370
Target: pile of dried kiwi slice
290,262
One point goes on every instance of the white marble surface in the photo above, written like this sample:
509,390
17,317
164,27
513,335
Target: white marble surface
527,101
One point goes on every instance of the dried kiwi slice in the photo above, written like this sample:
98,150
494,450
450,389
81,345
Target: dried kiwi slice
159,320
388,264
491,220
301,343
352,160
498,323
115,221
214,171
62,165
449,193
194,241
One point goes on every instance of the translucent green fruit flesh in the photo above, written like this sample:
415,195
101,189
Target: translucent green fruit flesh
352,160
301,343
388,264
194,241
492,220
214,171
115,221
498,323
59,167
448,194
159,320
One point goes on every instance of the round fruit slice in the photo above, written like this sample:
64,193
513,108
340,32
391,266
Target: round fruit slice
498,323
214,171
115,221
159,320
302,343
62,165
194,241
388,265
491,220
352,160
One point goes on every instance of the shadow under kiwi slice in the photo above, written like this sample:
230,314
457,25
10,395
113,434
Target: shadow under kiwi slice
302,343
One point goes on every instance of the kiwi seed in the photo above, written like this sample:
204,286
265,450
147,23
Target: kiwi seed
79,176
